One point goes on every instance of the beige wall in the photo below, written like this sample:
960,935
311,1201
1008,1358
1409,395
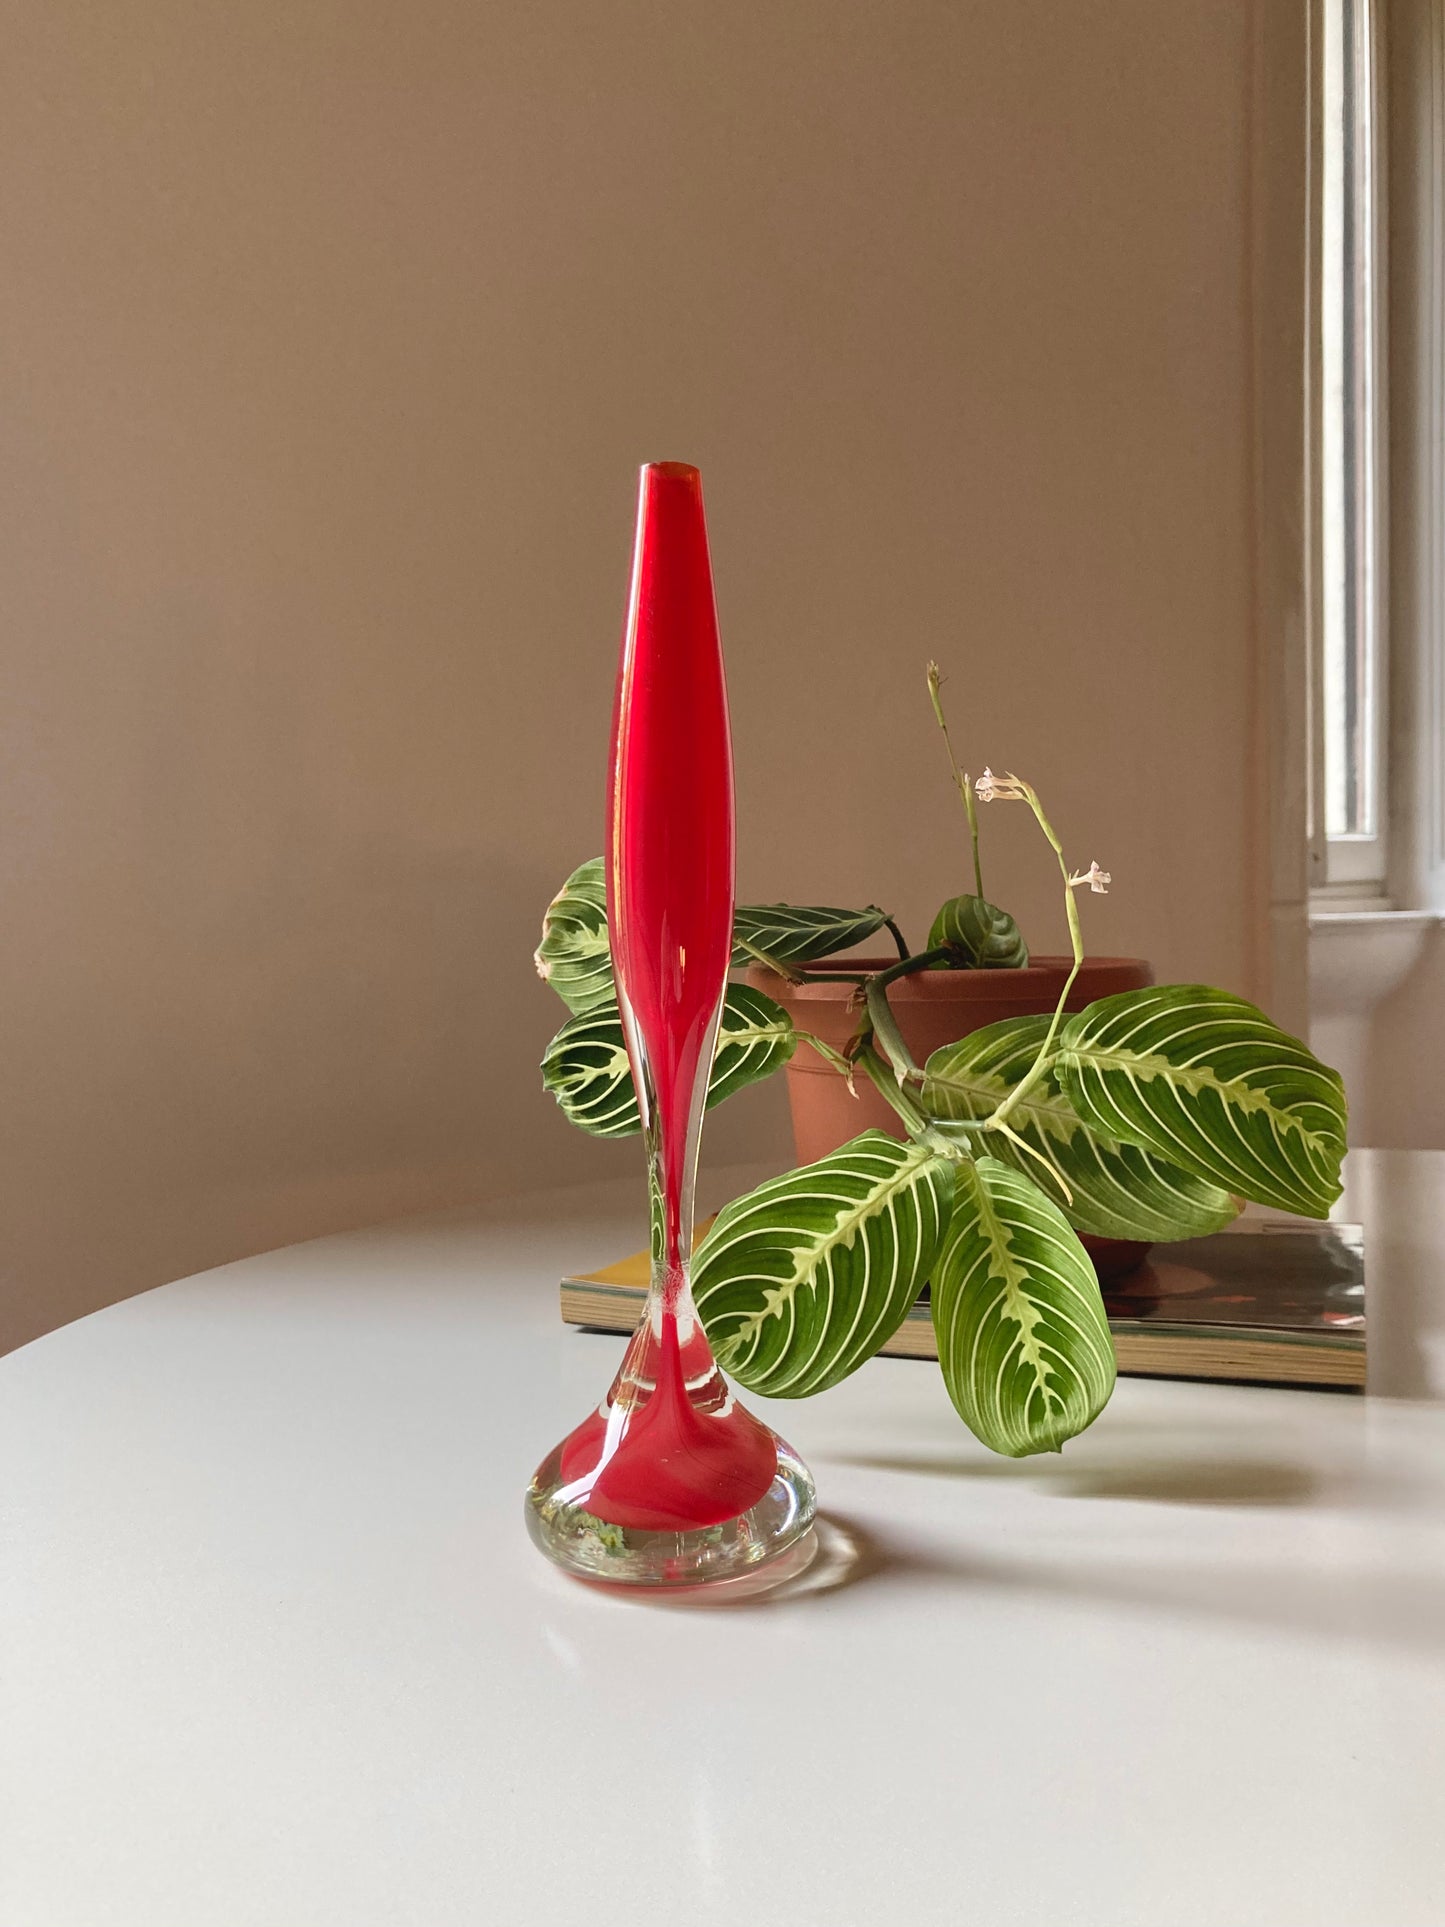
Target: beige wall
332,337
1400,1099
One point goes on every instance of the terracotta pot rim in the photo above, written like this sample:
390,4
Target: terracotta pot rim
945,986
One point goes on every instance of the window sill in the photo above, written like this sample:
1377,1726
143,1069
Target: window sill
1359,957
1365,916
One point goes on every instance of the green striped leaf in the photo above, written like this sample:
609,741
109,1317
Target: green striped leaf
801,933
801,1281
1205,1079
989,936
1117,1190
1023,1342
756,1038
573,956
586,1068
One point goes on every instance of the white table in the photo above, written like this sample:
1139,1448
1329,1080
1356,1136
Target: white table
276,1648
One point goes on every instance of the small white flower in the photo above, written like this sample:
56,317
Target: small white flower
998,789
1098,880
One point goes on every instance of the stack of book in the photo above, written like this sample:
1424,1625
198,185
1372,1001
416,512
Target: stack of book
1269,1301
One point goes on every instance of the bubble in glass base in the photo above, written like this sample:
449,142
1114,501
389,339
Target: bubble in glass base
591,1548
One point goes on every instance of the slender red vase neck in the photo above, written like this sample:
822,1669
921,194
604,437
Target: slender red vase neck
670,847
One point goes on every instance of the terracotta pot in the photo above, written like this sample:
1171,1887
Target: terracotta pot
933,1008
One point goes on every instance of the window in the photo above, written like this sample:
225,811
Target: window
1349,801
1416,45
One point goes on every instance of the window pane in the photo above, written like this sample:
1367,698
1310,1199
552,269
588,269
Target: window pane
1347,431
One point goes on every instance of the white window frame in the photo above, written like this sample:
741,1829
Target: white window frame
1355,866
1416,52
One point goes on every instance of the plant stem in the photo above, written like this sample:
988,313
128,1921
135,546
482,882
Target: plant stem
889,1088
775,964
885,1024
829,1056
1032,1151
972,808
897,936
1041,1063
960,777
921,960
962,1128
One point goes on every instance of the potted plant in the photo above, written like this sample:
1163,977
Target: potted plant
932,1008
1056,1108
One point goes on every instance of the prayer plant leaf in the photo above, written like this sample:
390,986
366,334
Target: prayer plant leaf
802,1280
586,1068
573,956
1203,1078
1115,1190
989,936
756,1038
1023,1342
801,933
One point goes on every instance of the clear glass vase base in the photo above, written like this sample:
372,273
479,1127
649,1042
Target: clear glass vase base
591,1548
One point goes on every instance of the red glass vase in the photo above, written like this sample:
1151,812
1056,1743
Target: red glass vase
670,1481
